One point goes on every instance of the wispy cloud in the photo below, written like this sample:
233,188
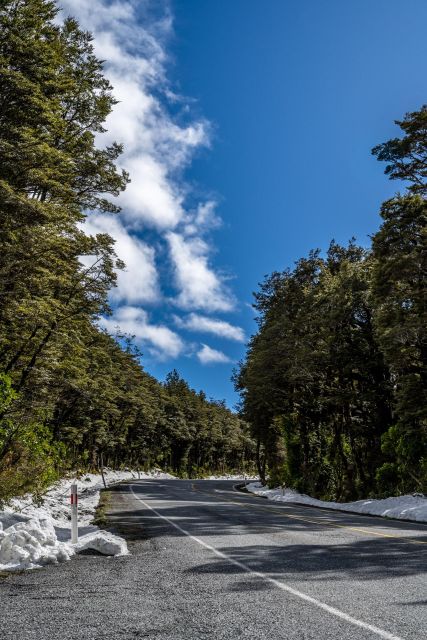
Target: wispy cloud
204,324
203,219
200,287
207,355
160,340
158,147
138,282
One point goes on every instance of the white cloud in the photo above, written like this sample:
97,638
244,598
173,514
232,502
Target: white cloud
207,355
206,216
138,282
200,287
158,146
203,324
150,197
160,341
203,219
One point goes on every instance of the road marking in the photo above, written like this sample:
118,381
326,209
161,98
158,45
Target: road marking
325,523
277,583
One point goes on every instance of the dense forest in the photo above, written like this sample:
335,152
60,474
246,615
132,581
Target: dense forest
333,386
71,396
334,383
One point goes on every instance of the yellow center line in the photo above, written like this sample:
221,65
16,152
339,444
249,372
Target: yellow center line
333,524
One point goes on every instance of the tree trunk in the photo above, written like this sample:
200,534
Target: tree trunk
260,461
101,460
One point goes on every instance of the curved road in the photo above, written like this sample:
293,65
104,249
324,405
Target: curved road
211,562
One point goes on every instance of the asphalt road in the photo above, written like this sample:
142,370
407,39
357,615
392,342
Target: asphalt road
210,562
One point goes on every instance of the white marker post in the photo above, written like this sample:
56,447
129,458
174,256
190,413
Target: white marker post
74,524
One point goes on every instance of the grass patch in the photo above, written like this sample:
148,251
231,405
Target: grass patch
7,574
104,504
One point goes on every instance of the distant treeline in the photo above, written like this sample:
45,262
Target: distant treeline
334,383
70,395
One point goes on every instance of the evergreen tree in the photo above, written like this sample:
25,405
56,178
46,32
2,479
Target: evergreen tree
334,383
71,395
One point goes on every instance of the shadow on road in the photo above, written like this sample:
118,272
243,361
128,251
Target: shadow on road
362,560
340,552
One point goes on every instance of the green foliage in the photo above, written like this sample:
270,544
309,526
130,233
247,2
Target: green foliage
32,463
7,393
29,459
316,364
70,395
407,156
340,358
399,289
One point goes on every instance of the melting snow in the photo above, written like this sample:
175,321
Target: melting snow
32,536
230,476
409,507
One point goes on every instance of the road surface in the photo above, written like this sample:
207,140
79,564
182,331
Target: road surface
211,562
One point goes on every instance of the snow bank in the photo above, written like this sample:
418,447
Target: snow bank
32,536
56,501
230,476
409,507
30,544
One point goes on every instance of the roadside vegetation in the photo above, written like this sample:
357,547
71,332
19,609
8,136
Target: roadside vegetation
72,396
334,383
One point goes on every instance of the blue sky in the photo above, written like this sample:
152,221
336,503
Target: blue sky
247,128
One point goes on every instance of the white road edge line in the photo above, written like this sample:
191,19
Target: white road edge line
280,585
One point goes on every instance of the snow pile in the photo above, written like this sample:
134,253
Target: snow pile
230,476
32,536
104,542
31,543
409,507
